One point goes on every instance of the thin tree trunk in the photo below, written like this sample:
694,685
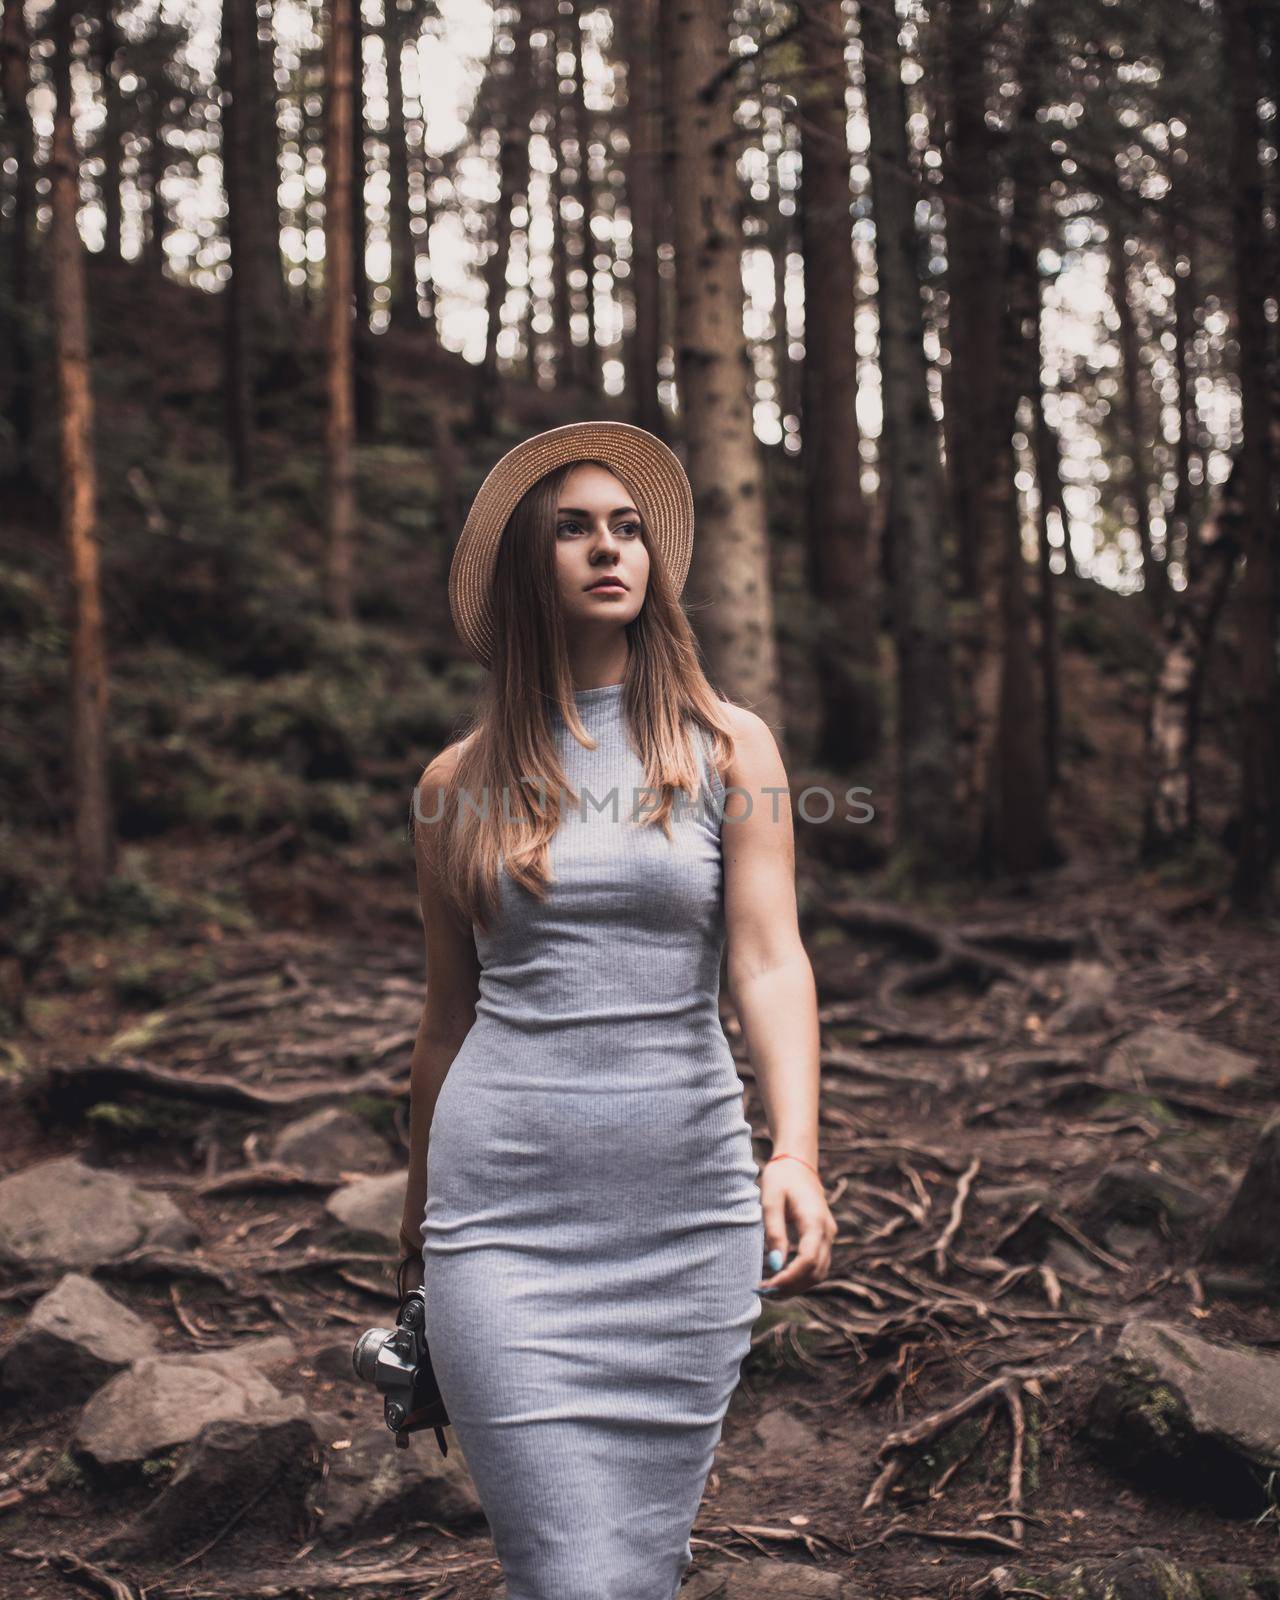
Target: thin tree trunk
781,241
512,159
367,398
1259,710
587,199
242,296
108,44
973,233
1186,509
729,586
264,173
643,180
339,320
15,77
910,467
1132,427
404,271
1171,818
561,293
1016,834
1049,484
841,594
157,161
93,840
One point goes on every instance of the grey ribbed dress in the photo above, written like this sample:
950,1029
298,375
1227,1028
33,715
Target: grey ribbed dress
593,1234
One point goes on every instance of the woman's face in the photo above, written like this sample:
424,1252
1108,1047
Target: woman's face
598,538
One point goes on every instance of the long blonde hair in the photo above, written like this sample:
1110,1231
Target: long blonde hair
511,735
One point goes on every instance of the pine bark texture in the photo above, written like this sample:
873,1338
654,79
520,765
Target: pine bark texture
729,589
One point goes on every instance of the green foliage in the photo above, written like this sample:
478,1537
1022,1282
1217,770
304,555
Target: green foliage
1198,865
145,1117
1096,626
153,981
66,1472
218,582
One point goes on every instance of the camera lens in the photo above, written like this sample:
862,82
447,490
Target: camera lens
364,1358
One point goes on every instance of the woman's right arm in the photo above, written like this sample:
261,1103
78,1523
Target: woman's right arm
453,980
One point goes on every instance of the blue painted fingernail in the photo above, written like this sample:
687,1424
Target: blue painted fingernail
774,1261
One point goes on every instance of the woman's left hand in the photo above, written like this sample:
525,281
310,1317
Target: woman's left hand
793,1198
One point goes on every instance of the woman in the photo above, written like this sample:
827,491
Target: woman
591,1220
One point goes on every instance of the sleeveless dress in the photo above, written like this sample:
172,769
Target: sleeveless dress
593,1234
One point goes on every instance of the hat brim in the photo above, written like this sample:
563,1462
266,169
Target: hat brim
648,465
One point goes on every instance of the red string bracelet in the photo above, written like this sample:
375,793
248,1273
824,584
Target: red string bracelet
785,1155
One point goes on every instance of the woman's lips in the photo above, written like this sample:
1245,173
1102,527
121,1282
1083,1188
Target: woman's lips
608,586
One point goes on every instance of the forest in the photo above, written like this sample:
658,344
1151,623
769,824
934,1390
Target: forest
963,317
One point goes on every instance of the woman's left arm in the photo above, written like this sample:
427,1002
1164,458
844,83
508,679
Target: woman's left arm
771,982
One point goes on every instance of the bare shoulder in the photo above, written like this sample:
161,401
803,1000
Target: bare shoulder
439,772
756,759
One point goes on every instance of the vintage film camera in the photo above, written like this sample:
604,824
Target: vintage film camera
396,1361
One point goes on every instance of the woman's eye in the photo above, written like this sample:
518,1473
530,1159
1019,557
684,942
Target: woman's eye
633,528
565,526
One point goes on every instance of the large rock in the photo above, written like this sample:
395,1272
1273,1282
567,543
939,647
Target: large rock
1138,1574
377,1487
331,1141
74,1339
1141,1195
163,1401
1249,1233
62,1213
249,1477
763,1579
370,1206
1158,1054
1198,1415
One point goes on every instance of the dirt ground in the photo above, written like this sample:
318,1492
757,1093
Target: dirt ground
942,1073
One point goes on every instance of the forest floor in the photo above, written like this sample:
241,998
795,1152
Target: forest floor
969,1111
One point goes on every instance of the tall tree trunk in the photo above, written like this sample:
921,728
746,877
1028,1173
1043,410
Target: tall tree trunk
339,208
93,836
1259,707
780,235
1016,834
1186,509
587,199
15,78
913,528
367,398
243,296
974,450
1170,820
729,586
513,160
643,180
1049,484
108,43
973,233
157,160
265,170
561,292
839,575
404,270
1132,426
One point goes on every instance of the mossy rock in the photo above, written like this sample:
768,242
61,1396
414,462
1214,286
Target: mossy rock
783,1335
1139,1574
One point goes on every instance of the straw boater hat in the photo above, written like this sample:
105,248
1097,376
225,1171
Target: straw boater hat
653,472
